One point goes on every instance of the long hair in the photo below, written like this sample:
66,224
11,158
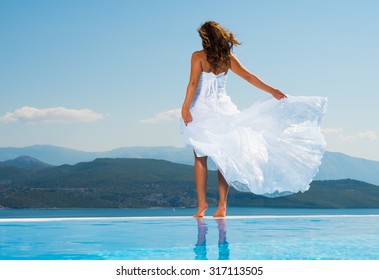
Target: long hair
217,43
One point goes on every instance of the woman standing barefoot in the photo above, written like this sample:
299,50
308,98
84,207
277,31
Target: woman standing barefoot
260,149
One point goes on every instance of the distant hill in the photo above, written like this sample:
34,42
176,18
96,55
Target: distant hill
322,194
154,183
334,165
100,183
57,155
340,166
26,162
49,154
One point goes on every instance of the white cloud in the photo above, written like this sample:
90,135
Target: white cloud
368,135
166,116
51,115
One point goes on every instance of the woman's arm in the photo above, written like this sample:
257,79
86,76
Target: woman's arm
241,71
192,86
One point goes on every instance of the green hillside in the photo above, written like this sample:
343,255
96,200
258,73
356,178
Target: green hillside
122,183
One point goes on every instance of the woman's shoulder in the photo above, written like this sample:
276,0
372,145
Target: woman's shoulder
199,54
233,57
199,57
234,62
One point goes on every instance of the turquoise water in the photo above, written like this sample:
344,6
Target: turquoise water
164,234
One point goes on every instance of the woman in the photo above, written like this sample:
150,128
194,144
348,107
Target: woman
272,148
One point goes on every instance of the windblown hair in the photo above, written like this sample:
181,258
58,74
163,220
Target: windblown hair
217,44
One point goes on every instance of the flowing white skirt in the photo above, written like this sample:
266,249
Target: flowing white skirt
273,148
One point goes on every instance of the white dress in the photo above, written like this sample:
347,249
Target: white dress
273,148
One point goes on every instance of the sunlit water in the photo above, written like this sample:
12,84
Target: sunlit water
148,234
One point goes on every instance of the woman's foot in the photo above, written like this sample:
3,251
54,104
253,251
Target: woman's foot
201,210
220,212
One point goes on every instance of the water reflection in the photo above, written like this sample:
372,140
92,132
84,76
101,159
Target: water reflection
223,245
201,244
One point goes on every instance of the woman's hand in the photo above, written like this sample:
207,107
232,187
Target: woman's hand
186,115
278,94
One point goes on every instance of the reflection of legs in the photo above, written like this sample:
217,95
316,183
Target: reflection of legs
200,247
223,189
201,175
223,245
202,230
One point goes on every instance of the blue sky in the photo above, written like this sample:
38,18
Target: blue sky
97,75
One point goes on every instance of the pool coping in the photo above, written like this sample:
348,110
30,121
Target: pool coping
49,219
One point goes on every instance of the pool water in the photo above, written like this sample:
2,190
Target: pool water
238,237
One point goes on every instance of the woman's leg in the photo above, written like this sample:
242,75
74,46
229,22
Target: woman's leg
201,175
223,189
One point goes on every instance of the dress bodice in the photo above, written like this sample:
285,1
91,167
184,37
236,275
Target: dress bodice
211,94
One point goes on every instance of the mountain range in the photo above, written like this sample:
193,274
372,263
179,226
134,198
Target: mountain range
140,183
334,165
